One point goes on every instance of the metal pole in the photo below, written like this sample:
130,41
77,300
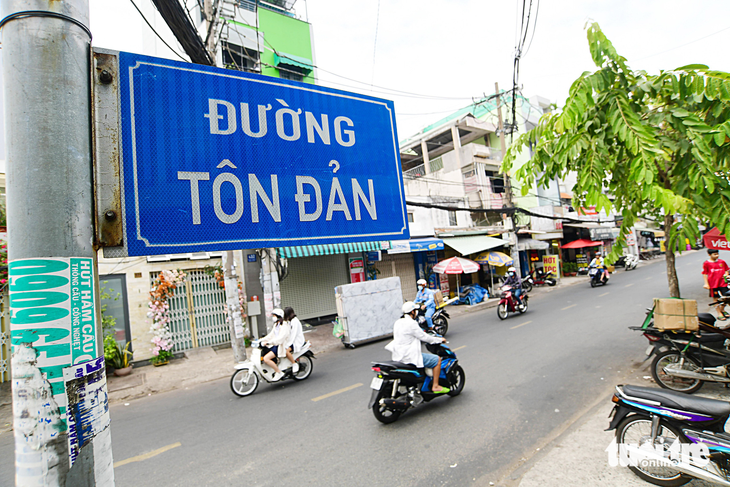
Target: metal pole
46,70
234,307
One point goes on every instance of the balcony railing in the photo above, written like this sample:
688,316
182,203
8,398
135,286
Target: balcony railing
414,173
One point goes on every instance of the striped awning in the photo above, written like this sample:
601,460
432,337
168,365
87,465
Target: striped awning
328,249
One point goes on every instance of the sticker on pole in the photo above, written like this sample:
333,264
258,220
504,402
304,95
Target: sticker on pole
52,316
215,159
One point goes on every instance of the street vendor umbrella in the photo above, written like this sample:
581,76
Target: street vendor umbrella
714,240
494,257
581,243
456,265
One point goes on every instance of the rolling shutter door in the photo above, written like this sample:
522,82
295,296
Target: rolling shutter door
310,286
400,265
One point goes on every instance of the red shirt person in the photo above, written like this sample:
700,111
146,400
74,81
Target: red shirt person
714,271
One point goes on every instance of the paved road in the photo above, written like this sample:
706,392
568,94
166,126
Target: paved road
528,377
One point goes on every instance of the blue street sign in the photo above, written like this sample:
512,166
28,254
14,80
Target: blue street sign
214,159
251,257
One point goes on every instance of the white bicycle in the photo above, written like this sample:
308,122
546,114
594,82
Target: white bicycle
245,379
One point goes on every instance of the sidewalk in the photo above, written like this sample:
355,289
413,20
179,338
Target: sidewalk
578,457
199,366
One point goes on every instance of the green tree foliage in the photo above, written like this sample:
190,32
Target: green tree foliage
657,144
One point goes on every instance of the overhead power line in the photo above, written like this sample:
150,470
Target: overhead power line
502,211
156,33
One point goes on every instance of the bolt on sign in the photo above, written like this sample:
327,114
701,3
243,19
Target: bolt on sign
214,159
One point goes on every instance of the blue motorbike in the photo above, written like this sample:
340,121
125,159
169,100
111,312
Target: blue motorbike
398,387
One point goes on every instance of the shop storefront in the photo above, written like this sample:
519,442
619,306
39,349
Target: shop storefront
411,260
315,270
470,247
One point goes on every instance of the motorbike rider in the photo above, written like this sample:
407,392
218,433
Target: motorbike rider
514,281
599,263
427,301
296,336
275,342
406,345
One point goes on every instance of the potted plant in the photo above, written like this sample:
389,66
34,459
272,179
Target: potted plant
117,357
570,268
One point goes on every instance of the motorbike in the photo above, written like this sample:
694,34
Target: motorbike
631,262
669,438
249,373
596,276
538,277
508,303
684,361
398,387
439,318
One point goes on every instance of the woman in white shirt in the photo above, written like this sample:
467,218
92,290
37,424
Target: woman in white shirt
296,336
276,342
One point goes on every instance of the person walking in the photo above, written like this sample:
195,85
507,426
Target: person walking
714,270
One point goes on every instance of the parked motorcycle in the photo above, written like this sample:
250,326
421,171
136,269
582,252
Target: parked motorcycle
539,277
658,431
631,261
439,318
245,379
596,277
683,361
398,387
508,303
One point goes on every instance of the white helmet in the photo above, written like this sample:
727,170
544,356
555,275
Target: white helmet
511,269
408,306
278,312
421,282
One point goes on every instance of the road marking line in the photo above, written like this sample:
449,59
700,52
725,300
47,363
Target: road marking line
523,324
629,285
568,307
601,295
337,392
463,346
648,278
146,456
597,307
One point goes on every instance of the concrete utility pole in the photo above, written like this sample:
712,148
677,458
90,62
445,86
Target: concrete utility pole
507,183
46,69
230,280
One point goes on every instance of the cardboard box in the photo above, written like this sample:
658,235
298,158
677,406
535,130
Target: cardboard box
676,314
438,298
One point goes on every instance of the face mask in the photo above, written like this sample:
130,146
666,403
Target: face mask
420,288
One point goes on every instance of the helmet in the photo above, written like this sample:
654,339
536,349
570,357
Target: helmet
421,282
511,270
598,254
278,312
408,306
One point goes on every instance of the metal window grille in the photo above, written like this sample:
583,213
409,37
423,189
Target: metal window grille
436,164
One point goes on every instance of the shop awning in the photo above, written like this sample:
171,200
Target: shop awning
655,231
292,60
415,245
581,243
531,244
473,244
329,249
